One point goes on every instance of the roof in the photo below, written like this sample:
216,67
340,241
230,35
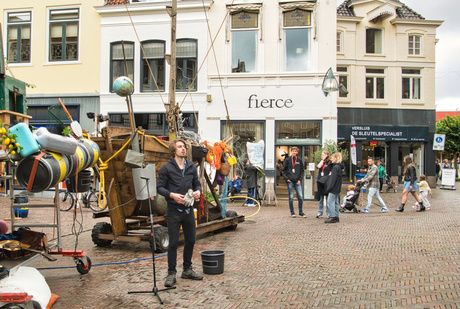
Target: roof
442,115
116,2
403,12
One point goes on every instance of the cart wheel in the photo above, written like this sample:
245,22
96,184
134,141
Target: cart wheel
36,304
101,228
161,239
396,189
231,214
82,269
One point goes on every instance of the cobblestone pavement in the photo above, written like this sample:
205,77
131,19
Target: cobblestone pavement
375,260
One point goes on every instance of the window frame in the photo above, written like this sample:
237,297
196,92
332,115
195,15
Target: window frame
308,28
376,76
420,48
186,59
256,31
141,69
111,61
343,73
374,42
19,43
64,23
339,42
411,76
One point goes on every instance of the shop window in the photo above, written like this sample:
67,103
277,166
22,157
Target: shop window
64,34
186,57
375,83
118,52
415,44
244,31
374,41
411,84
297,36
293,132
19,26
153,66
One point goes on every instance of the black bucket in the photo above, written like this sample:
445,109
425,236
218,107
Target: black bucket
213,261
84,180
51,169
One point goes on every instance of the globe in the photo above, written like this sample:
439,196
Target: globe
123,86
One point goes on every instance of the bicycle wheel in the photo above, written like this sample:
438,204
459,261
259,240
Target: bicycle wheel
66,200
93,201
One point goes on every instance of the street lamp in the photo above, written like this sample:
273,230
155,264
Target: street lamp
329,83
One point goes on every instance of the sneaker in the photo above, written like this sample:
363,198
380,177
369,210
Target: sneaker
384,210
319,215
332,220
428,208
191,274
302,215
170,279
366,211
293,215
251,205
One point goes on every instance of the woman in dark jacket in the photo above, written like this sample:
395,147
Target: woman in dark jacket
334,187
324,168
250,172
410,184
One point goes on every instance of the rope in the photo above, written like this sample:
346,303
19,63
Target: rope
155,138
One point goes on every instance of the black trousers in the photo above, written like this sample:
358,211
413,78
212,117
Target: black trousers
175,218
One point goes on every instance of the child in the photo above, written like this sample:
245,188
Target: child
351,191
425,190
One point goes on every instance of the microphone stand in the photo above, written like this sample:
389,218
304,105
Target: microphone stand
154,290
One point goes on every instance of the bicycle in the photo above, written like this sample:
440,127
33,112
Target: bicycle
89,198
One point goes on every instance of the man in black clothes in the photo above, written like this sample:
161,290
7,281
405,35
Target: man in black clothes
293,174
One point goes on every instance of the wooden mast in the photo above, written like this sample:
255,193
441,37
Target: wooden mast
171,108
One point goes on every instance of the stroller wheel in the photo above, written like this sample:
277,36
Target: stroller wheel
355,210
341,210
388,189
396,189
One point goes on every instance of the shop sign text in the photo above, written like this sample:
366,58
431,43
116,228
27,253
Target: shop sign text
269,103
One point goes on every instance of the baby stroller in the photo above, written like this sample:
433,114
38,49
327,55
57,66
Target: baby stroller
391,184
352,198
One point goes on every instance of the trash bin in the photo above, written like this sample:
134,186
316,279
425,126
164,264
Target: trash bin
213,261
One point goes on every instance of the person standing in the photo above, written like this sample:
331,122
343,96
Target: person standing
293,174
410,185
372,178
438,170
382,173
250,172
175,179
425,191
324,168
334,186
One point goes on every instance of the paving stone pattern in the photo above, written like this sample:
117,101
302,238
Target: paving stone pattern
375,260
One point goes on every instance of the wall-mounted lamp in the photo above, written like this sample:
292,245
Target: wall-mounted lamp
329,83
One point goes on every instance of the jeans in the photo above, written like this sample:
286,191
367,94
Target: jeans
372,192
175,218
251,193
298,189
332,205
381,183
321,206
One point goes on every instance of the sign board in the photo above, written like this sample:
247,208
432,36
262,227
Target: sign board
353,150
448,177
382,133
439,142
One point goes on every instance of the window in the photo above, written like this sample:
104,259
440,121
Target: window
343,80
339,42
19,24
153,63
244,41
118,52
297,29
64,35
294,132
374,41
415,45
411,84
186,57
375,83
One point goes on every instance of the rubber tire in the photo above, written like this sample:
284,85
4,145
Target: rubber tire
396,189
81,268
161,239
93,198
231,214
388,189
36,304
101,228
69,201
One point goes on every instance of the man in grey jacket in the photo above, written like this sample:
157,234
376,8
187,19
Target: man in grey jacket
373,178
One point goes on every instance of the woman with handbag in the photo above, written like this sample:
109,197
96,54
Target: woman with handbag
324,168
333,187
